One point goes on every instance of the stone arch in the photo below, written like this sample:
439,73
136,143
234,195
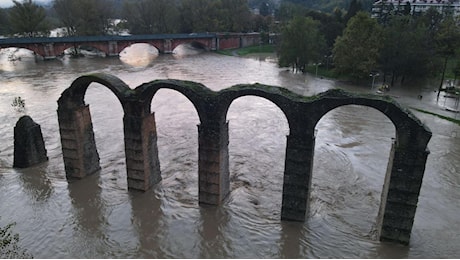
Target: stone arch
274,112
77,137
34,51
199,45
212,136
405,168
91,46
196,93
278,96
74,96
125,45
409,130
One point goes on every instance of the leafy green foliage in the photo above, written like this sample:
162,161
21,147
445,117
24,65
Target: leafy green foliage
356,52
9,244
301,43
406,51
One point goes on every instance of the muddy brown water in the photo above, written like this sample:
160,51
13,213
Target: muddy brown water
98,217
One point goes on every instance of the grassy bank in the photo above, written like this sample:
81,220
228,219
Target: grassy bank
268,48
453,120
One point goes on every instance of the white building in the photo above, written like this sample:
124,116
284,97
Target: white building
416,6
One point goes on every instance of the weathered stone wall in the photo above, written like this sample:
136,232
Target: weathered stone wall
402,185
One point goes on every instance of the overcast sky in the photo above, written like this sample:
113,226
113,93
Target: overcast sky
9,3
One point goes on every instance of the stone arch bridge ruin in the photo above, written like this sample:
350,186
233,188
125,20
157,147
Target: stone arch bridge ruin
402,182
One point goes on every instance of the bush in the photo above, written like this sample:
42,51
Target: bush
9,244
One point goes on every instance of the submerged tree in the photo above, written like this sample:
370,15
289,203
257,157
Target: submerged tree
28,19
301,43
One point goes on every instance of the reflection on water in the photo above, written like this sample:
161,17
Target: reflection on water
99,218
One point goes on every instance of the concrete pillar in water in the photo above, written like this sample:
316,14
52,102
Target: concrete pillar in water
213,163
142,163
297,176
29,147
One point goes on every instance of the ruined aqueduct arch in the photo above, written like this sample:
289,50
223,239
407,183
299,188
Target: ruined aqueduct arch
402,181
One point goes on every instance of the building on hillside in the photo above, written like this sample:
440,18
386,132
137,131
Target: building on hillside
414,7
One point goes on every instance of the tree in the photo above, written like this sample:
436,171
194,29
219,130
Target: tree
301,43
353,9
65,13
235,15
406,51
84,17
266,8
200,16
4,22
447,39
356,52
331,26
287,11
152,16
28,19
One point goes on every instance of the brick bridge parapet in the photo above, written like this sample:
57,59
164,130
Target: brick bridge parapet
113,45
402,183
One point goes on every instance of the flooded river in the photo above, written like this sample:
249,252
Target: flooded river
97,217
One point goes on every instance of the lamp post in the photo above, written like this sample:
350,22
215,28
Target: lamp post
373,75
317,64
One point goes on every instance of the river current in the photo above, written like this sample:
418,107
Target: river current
98,217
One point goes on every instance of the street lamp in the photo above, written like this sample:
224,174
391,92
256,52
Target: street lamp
317,64
373,75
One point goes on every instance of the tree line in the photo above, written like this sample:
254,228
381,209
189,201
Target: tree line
399,45
93,17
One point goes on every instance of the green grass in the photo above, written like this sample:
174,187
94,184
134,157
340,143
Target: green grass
453,120
268,48
322,71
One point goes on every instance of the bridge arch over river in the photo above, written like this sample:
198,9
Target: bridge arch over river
402,182
112,45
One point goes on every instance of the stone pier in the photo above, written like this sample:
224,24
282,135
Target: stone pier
77,140
142,163
297,176
403,186
213,164
29,147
